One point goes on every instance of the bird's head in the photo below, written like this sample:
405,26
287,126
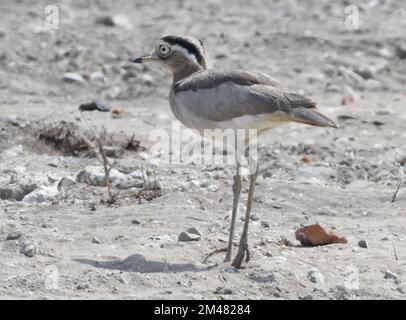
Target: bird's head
177,53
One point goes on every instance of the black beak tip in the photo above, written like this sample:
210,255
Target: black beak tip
136,60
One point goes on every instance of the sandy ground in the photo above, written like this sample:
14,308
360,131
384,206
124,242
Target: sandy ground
342,178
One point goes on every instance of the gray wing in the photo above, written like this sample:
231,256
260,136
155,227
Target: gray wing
224,95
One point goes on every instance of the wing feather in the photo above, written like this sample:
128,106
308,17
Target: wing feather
224,95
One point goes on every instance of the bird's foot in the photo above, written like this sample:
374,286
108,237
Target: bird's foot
213,253
243,252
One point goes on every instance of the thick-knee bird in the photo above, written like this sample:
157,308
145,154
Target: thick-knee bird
203,98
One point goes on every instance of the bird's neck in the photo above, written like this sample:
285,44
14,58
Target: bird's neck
185,71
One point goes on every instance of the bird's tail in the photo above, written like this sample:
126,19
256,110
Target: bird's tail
313,117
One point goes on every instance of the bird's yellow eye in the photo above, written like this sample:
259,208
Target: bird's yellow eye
164,50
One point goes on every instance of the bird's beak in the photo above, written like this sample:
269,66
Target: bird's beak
145,58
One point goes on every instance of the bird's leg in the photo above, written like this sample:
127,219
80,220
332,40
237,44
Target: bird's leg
236,199
243,248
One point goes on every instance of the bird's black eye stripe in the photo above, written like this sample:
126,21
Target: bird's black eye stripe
189,46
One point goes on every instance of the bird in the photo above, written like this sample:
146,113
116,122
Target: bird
206,98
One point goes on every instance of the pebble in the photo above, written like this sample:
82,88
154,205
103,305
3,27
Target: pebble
400,51
373,84
94,105
72,77
28,248
222,290
265,224
94,176
147,79
46,225
315,276
351,78
16,191
365,72
106,21
53,163
40,194
363,244
96,240
253,217
264,278
124,278
14,235
65,183
82,286
114,152
191,234
230,269
314,174
98,76
119,20
391,275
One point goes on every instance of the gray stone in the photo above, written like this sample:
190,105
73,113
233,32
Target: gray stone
72,77
124,278
95,176
41,194
265,224
53,163
314,174
400,51
28,248
351,78
189,236
16,191
94,105
391,275
96,240
231,269
315,276
372,84
13,235
264,278
98,76
363,244
222,290
119,20
194,231
65,183
365,72
114,152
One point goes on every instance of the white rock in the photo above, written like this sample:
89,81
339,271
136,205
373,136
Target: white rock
96,240
315,276
122,21
40,194
98,76
28,248
391,275
95,176
314,174
73,77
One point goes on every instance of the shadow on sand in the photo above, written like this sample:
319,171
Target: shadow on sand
138,263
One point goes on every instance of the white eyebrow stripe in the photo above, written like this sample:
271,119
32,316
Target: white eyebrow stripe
187,54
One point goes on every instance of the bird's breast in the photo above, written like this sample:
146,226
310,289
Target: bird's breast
187,114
